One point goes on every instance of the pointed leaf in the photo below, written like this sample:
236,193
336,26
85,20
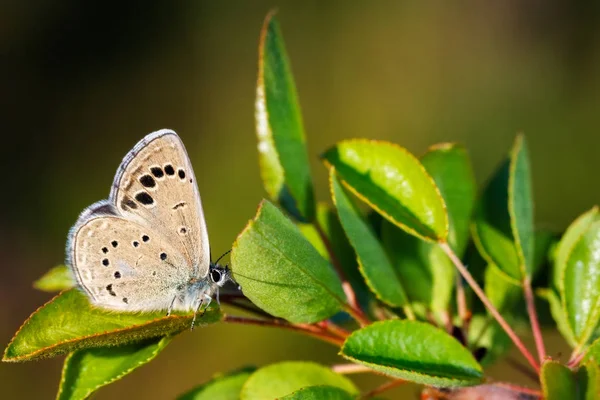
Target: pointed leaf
520,204
320,393
86,371
221,387
426,268
272,261
568,240
414,351
558,381
332,229
593,352
281,143
450,167
492,232
57,279
68,323
282,379
373,262
582,284
393,182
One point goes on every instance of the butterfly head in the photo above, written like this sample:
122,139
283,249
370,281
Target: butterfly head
219,275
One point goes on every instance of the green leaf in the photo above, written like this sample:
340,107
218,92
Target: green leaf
558,314
558,381
320,393
372,260
588,377
86,371
57,279
520,204
69,322
582,284
272,261
332,229
221,387
282,150
423,265
567,242
281,379
593,352
450,167
414,351
394,183
492,232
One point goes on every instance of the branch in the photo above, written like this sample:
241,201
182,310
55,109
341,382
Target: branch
310,330
490,307
346,369
535,325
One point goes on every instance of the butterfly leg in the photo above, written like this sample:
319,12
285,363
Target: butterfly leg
171,306
197,308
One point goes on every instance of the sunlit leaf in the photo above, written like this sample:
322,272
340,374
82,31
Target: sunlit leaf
272,261
320,393
393,182
582,284
520,204
414,351
57,279
558,314
282,379
373,261
86,371
281,142
69,323
221,387
450,167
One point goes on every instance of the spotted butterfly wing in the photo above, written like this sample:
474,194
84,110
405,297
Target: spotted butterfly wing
140,248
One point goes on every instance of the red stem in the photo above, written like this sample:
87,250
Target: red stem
490,307
383,388
535,325
310,330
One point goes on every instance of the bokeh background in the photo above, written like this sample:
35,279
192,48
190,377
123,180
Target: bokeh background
84,81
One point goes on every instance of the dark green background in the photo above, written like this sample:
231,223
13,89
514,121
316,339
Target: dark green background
83,81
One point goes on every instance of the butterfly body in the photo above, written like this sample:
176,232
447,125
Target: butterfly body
146,247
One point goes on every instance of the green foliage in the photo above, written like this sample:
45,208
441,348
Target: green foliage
414,351
372,260
282,379
281,143
86,371
221,387
57,279
392,181
273,260
302,265
69,322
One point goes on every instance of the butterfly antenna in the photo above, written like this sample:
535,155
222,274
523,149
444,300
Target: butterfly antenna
223,255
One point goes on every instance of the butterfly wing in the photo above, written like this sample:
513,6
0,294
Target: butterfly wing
123,265
138,249
155,186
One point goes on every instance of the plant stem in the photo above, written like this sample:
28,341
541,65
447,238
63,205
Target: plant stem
356,311
410,314
461,303
346,369
535,325
334,329
385,387
310,330
488,304
576,357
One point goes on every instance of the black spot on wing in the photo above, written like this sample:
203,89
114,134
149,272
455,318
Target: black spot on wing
144,198
147,181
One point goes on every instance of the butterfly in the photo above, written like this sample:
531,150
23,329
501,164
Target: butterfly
146,247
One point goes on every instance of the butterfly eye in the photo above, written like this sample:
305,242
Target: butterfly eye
215,275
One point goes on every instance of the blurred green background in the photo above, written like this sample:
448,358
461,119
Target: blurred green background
84,81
